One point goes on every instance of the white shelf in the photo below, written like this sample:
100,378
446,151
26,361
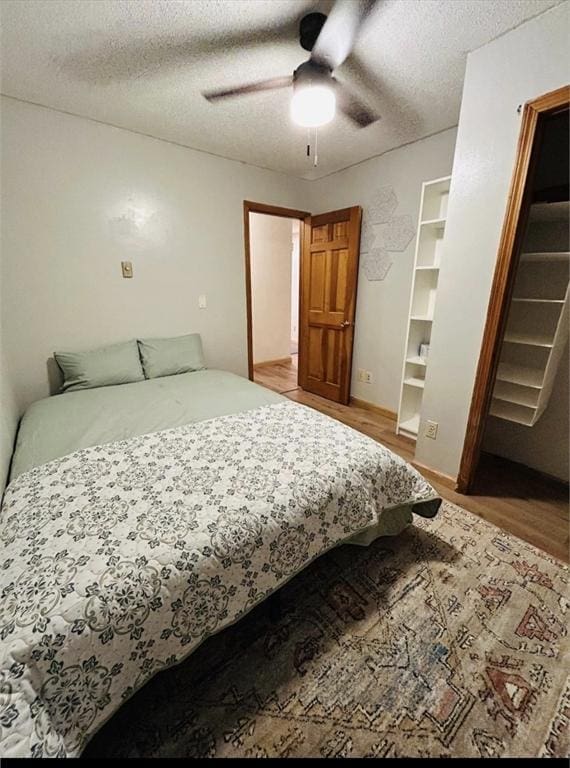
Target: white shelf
537,328
423,296
411,426
546,256
520,374
416,360
550,211
515,393
414,381
539,301
520,414
434,223
530,339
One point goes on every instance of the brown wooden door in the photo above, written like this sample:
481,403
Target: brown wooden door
329,273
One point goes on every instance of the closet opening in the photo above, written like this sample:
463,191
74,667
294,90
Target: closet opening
273,243
517,445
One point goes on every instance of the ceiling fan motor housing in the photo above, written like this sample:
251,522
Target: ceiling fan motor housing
310,28
309,73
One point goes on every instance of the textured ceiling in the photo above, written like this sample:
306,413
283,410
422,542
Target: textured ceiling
141,64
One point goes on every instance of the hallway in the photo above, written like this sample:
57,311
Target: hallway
280,377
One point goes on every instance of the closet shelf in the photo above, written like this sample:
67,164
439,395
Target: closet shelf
416,360
516,394
422,318
520,414
546,256
427,269
520,374
537,328
550,211
539,301
531,340
414,381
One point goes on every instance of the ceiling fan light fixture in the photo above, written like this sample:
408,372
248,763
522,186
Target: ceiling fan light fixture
313,105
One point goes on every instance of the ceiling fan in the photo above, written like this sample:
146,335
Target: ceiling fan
316,91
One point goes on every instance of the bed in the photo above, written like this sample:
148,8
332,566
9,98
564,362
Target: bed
140,519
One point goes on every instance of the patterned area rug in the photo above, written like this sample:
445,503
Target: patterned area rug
449,639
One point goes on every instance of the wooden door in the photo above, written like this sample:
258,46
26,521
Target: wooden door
329,273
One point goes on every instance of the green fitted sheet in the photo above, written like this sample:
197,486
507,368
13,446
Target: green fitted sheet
61,424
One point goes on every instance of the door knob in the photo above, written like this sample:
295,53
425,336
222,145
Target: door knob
345,324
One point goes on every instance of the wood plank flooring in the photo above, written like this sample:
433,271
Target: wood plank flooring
508,495
280,377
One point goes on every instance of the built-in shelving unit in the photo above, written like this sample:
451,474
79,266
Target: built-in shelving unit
427,260
537,327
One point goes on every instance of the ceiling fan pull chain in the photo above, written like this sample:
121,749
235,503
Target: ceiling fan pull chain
316,156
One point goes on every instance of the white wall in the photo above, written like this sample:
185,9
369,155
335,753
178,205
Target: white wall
79,197
382,306
8,413
8,409
521,65
271,241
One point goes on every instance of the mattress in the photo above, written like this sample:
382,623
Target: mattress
58,425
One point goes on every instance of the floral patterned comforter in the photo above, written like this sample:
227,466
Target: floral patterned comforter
117,561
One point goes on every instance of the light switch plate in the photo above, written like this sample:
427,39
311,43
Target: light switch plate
201,301
127,268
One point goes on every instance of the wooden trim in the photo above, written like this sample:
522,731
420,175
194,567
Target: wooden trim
270,210
434,476
505,271
274,210
302,369
272,362
367,406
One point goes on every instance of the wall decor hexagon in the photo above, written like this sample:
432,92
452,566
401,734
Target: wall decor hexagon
367,237
382,233
376,264
382,205
398,233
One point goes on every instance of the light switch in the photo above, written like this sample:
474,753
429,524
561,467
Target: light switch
127,267
202,301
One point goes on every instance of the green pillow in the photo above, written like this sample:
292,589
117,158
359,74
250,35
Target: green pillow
102,367
167,357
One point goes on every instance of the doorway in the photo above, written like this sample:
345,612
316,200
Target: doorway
273,252
517,444
317,350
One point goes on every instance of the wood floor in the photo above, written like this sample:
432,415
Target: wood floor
506,494
281,377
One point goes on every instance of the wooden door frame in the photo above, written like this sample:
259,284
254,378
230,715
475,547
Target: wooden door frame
505,271
269,210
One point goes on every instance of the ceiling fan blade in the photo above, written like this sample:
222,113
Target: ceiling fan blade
353,107
241,90
340,32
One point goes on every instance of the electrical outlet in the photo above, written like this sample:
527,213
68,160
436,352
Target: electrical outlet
364,376
431,429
